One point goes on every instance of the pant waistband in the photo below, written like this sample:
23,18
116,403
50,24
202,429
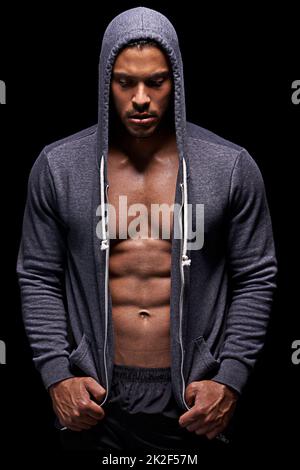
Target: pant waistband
142,374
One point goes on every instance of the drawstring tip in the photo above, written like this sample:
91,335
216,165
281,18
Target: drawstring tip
104,244
186,261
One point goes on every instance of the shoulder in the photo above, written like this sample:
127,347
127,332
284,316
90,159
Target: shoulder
72,149
212,154
200,135
74,140
206,145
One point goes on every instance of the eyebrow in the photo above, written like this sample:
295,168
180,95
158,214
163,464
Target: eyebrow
153,76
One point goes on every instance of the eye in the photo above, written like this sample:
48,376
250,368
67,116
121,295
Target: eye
123,83
156,83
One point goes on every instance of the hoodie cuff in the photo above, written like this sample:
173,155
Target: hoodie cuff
233,373
55,370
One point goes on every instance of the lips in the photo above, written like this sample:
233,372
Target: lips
142,119
141,116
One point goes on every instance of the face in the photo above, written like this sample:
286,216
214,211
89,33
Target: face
141,89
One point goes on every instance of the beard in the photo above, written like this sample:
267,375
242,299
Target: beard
117,126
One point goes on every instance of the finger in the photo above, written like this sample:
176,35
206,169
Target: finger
190,394
81,420
207,427
82,425
190,417
187,418
95,388
86,420
94,410
197,424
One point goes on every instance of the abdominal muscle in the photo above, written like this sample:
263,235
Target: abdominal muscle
139,283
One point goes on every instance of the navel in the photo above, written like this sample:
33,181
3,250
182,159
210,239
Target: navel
144,313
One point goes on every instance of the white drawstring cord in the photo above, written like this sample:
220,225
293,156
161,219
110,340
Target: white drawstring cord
186,261
104,242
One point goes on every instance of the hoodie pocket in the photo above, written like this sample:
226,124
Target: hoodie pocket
203,363
83,359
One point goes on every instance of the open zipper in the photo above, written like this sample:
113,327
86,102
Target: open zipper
184,261
105,245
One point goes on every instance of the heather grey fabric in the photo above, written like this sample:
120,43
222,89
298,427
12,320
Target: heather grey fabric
62,262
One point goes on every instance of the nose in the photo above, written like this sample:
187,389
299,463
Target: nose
141,100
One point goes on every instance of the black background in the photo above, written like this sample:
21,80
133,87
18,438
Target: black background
239,67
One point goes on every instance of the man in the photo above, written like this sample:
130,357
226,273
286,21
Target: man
143,338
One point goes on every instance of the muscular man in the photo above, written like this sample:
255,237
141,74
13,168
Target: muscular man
143,339
145,159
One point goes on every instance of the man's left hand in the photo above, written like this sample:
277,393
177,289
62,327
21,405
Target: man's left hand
212,405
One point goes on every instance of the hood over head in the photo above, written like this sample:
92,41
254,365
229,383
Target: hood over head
134,24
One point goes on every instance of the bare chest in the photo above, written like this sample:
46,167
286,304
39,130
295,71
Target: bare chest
141,201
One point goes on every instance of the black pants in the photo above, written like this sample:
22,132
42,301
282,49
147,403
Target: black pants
141,414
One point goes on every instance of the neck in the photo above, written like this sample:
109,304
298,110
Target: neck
142,149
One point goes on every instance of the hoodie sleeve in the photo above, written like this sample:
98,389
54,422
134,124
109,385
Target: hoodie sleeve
40,270
252,268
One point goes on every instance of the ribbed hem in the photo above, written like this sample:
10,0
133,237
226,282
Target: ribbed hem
233,373
141,374
55,370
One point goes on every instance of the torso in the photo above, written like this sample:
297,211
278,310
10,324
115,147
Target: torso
139,269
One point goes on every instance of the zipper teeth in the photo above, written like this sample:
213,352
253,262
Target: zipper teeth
181,304
184,191
106,308
106,247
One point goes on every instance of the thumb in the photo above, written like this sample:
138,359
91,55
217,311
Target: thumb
190,393
95,388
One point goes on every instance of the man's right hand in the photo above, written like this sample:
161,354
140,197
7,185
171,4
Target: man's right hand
73,405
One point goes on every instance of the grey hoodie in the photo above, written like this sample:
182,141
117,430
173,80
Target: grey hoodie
221,294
